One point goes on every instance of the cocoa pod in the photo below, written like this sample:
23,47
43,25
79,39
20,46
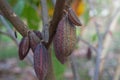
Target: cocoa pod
23,48
65,39
41,61
73,17
38,33
89,54
33,42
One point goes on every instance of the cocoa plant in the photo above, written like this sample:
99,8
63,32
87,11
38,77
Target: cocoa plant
65,37
33,42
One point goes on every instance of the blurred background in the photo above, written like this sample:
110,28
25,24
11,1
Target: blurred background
100,18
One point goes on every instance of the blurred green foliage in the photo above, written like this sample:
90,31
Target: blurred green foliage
7,50
58,67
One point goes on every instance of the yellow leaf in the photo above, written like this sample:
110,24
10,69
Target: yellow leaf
81,8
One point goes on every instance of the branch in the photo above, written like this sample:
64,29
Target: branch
9,30
13,18
99,51
45,30
44,12
74,67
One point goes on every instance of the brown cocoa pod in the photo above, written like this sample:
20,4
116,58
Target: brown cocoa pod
89,54
65,39
23,48
41,61
33,42
73,17
38,33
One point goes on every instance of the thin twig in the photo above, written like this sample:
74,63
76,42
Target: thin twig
74,67
44,12
99,51
9,30
4,33
45,30
109,22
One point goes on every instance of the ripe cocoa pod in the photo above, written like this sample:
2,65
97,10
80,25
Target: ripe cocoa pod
73,17
65,39
33,42
41,61
23,48
38,33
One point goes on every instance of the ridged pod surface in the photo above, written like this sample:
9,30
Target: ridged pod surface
73,17
38,33
65,39
33,42
23,48
41,62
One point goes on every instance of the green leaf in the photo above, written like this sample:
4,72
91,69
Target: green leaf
86,16
78,31
31,16
12,2
94,37
19,6
58,67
